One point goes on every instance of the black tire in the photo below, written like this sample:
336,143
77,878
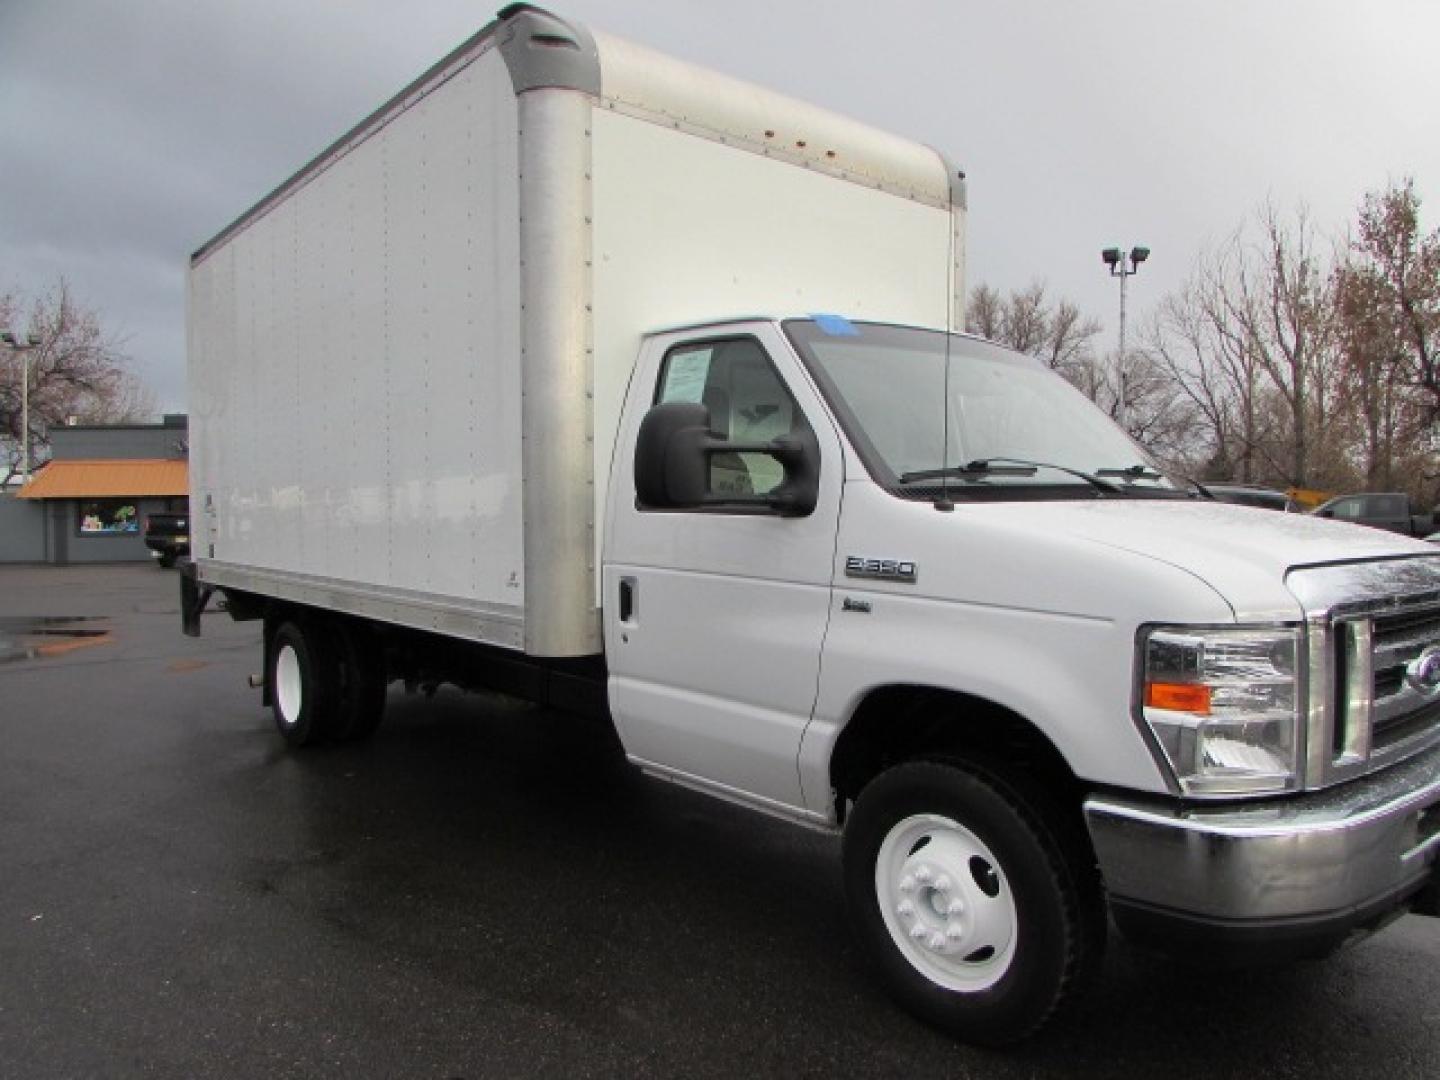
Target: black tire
304,682
1019,922
363,682
166,560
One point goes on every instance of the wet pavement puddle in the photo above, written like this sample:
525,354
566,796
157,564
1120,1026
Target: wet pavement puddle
30,638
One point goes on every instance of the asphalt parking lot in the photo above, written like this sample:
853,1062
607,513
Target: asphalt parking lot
488,890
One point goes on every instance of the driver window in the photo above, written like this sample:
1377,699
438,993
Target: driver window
748,403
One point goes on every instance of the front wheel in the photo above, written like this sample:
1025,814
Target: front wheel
978,909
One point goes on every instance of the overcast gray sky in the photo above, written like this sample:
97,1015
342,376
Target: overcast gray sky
133,130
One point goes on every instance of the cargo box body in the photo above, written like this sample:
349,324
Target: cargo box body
407,364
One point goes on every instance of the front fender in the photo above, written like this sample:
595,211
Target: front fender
1070,676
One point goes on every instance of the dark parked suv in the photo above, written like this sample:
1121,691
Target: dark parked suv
1381,510
168,537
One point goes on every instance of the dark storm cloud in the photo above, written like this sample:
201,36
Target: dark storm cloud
131,132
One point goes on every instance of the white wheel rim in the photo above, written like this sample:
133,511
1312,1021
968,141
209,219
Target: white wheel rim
289,691
946,902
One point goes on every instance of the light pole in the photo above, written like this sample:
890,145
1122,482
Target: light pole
32,341
1115,260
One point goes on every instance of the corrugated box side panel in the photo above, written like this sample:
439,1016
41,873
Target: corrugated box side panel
355,365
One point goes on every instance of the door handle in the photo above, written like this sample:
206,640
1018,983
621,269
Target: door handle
629,594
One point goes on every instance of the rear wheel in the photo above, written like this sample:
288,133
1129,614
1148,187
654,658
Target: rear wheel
304,682
979,914
363,682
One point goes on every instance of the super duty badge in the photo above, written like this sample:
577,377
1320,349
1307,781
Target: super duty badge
883,569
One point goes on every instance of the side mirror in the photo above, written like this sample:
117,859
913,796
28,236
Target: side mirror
670,461
673,464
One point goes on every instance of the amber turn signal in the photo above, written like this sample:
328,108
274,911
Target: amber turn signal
1178,697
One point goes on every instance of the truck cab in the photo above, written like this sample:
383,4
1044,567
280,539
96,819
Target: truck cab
1045,674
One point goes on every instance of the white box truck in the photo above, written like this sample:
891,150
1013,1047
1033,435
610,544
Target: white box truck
585,374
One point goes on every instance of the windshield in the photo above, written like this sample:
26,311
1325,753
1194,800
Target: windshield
1013,422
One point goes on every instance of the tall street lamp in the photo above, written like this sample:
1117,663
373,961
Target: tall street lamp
1115,260
32,341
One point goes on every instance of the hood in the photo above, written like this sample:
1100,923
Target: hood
1242,552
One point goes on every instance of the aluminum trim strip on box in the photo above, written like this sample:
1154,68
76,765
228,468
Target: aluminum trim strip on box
557,376
488,624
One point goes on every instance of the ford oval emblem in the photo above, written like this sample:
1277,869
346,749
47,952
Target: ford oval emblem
1423,673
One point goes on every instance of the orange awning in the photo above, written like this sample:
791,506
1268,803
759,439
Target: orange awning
120,478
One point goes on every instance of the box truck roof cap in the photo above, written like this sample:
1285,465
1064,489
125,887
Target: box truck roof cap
542,50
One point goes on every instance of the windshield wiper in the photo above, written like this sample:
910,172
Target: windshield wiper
981,468
1132,473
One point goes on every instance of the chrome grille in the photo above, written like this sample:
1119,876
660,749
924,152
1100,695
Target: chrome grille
1366,623
1378,713
1401,711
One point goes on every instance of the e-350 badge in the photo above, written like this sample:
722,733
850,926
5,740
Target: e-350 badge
882,569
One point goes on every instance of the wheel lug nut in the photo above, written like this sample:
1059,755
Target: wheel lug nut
937,941
954,933
943,882
907,884
955,907
918,931
924,875
905,910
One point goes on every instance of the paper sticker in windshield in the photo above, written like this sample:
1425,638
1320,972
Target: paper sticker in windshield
685,375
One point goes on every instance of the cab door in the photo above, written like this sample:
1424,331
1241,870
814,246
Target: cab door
715,616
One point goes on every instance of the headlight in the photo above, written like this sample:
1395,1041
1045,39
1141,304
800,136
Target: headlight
1224,706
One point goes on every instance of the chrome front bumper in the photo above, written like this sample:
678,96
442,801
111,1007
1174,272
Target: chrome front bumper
1338,859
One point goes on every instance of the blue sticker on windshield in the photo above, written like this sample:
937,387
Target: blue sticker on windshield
835,325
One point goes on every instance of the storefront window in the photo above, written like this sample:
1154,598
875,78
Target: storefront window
108,517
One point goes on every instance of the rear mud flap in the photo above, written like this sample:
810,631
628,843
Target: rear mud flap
193,599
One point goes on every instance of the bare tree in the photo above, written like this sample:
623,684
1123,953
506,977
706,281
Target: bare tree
985,314
1397,272
1028,321
1387,288
1374,397
78,370
1207,354
1307,369
1026,325
1157,413
1069,342
1251,342
1057,333
1282,304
